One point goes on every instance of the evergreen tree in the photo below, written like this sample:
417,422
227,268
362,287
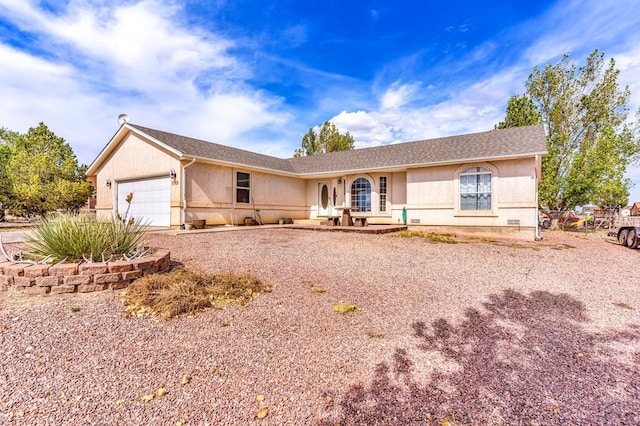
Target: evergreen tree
40,173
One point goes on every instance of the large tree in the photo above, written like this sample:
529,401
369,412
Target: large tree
589,141
328,139
40,173
5,150
521,111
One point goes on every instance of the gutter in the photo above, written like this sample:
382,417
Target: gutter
184,191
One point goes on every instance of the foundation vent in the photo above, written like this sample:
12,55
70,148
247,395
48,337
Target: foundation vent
415,221
513,222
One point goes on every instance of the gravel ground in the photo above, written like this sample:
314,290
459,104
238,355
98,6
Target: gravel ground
470,333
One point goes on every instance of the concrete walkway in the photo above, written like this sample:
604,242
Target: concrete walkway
21,236
369,229
14,236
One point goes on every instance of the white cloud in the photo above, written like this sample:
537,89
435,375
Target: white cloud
477,107
398,95
579,26
93,62
367,128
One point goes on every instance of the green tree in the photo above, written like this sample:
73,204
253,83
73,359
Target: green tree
328,139
42,174
589,141
6,144
521,111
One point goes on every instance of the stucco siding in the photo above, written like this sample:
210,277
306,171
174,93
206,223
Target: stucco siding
433,196
395,196
211,195
489,192
134,159
517,183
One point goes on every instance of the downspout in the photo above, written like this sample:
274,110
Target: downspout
537,212
184,191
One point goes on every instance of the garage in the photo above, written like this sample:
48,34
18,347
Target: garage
151,200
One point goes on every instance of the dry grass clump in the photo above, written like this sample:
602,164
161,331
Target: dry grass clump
184,292
623,305
346,309
441,238
408,234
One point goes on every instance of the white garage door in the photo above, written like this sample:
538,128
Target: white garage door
151,200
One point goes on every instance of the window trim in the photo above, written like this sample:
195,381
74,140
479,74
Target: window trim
371,192
247,188
383,197
460,171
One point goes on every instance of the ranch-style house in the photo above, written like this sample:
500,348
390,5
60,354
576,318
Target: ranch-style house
482,182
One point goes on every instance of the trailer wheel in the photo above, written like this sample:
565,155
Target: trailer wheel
632,239
622,237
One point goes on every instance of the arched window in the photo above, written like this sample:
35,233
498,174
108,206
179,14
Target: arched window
475,189
361,195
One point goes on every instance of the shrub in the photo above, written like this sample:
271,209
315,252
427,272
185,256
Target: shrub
184,291
73,237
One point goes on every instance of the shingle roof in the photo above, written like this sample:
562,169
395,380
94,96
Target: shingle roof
483,146
191,147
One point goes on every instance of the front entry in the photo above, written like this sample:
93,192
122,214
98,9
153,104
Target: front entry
324,202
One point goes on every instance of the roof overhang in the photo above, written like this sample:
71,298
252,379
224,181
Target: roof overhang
405,167
238,165
115,141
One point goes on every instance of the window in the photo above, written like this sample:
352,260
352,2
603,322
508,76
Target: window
243,187
475,189
383,193
361,195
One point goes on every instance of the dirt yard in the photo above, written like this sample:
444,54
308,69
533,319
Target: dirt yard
473,333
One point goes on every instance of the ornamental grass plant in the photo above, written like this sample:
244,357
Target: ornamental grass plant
74,238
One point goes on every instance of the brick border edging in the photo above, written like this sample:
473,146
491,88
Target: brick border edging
80,277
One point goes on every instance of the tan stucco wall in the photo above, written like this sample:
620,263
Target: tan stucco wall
396,196
429,194
134,158
211,195
433,195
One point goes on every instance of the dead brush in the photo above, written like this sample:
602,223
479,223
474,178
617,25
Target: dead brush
408,234
185,292
441,238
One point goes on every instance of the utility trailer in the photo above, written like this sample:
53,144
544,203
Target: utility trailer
627,230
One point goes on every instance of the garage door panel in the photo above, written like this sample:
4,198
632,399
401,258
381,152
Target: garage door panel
151,200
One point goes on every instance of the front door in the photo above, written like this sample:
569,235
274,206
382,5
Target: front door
324,201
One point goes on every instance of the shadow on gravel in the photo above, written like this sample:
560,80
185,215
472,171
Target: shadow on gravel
521,360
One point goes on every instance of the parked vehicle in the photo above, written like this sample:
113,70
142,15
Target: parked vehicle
544,220
568,219
626,229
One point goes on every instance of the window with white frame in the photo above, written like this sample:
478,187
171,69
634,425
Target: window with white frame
361,195
475,189
383,193
243,187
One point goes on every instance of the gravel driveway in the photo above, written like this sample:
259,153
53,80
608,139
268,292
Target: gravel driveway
469,333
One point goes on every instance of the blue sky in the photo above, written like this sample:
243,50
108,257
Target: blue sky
258,75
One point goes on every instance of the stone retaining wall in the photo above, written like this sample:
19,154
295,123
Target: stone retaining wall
79,277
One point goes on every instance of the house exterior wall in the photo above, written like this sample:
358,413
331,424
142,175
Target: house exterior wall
124,164
211,195
424,196
433,197
395,197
